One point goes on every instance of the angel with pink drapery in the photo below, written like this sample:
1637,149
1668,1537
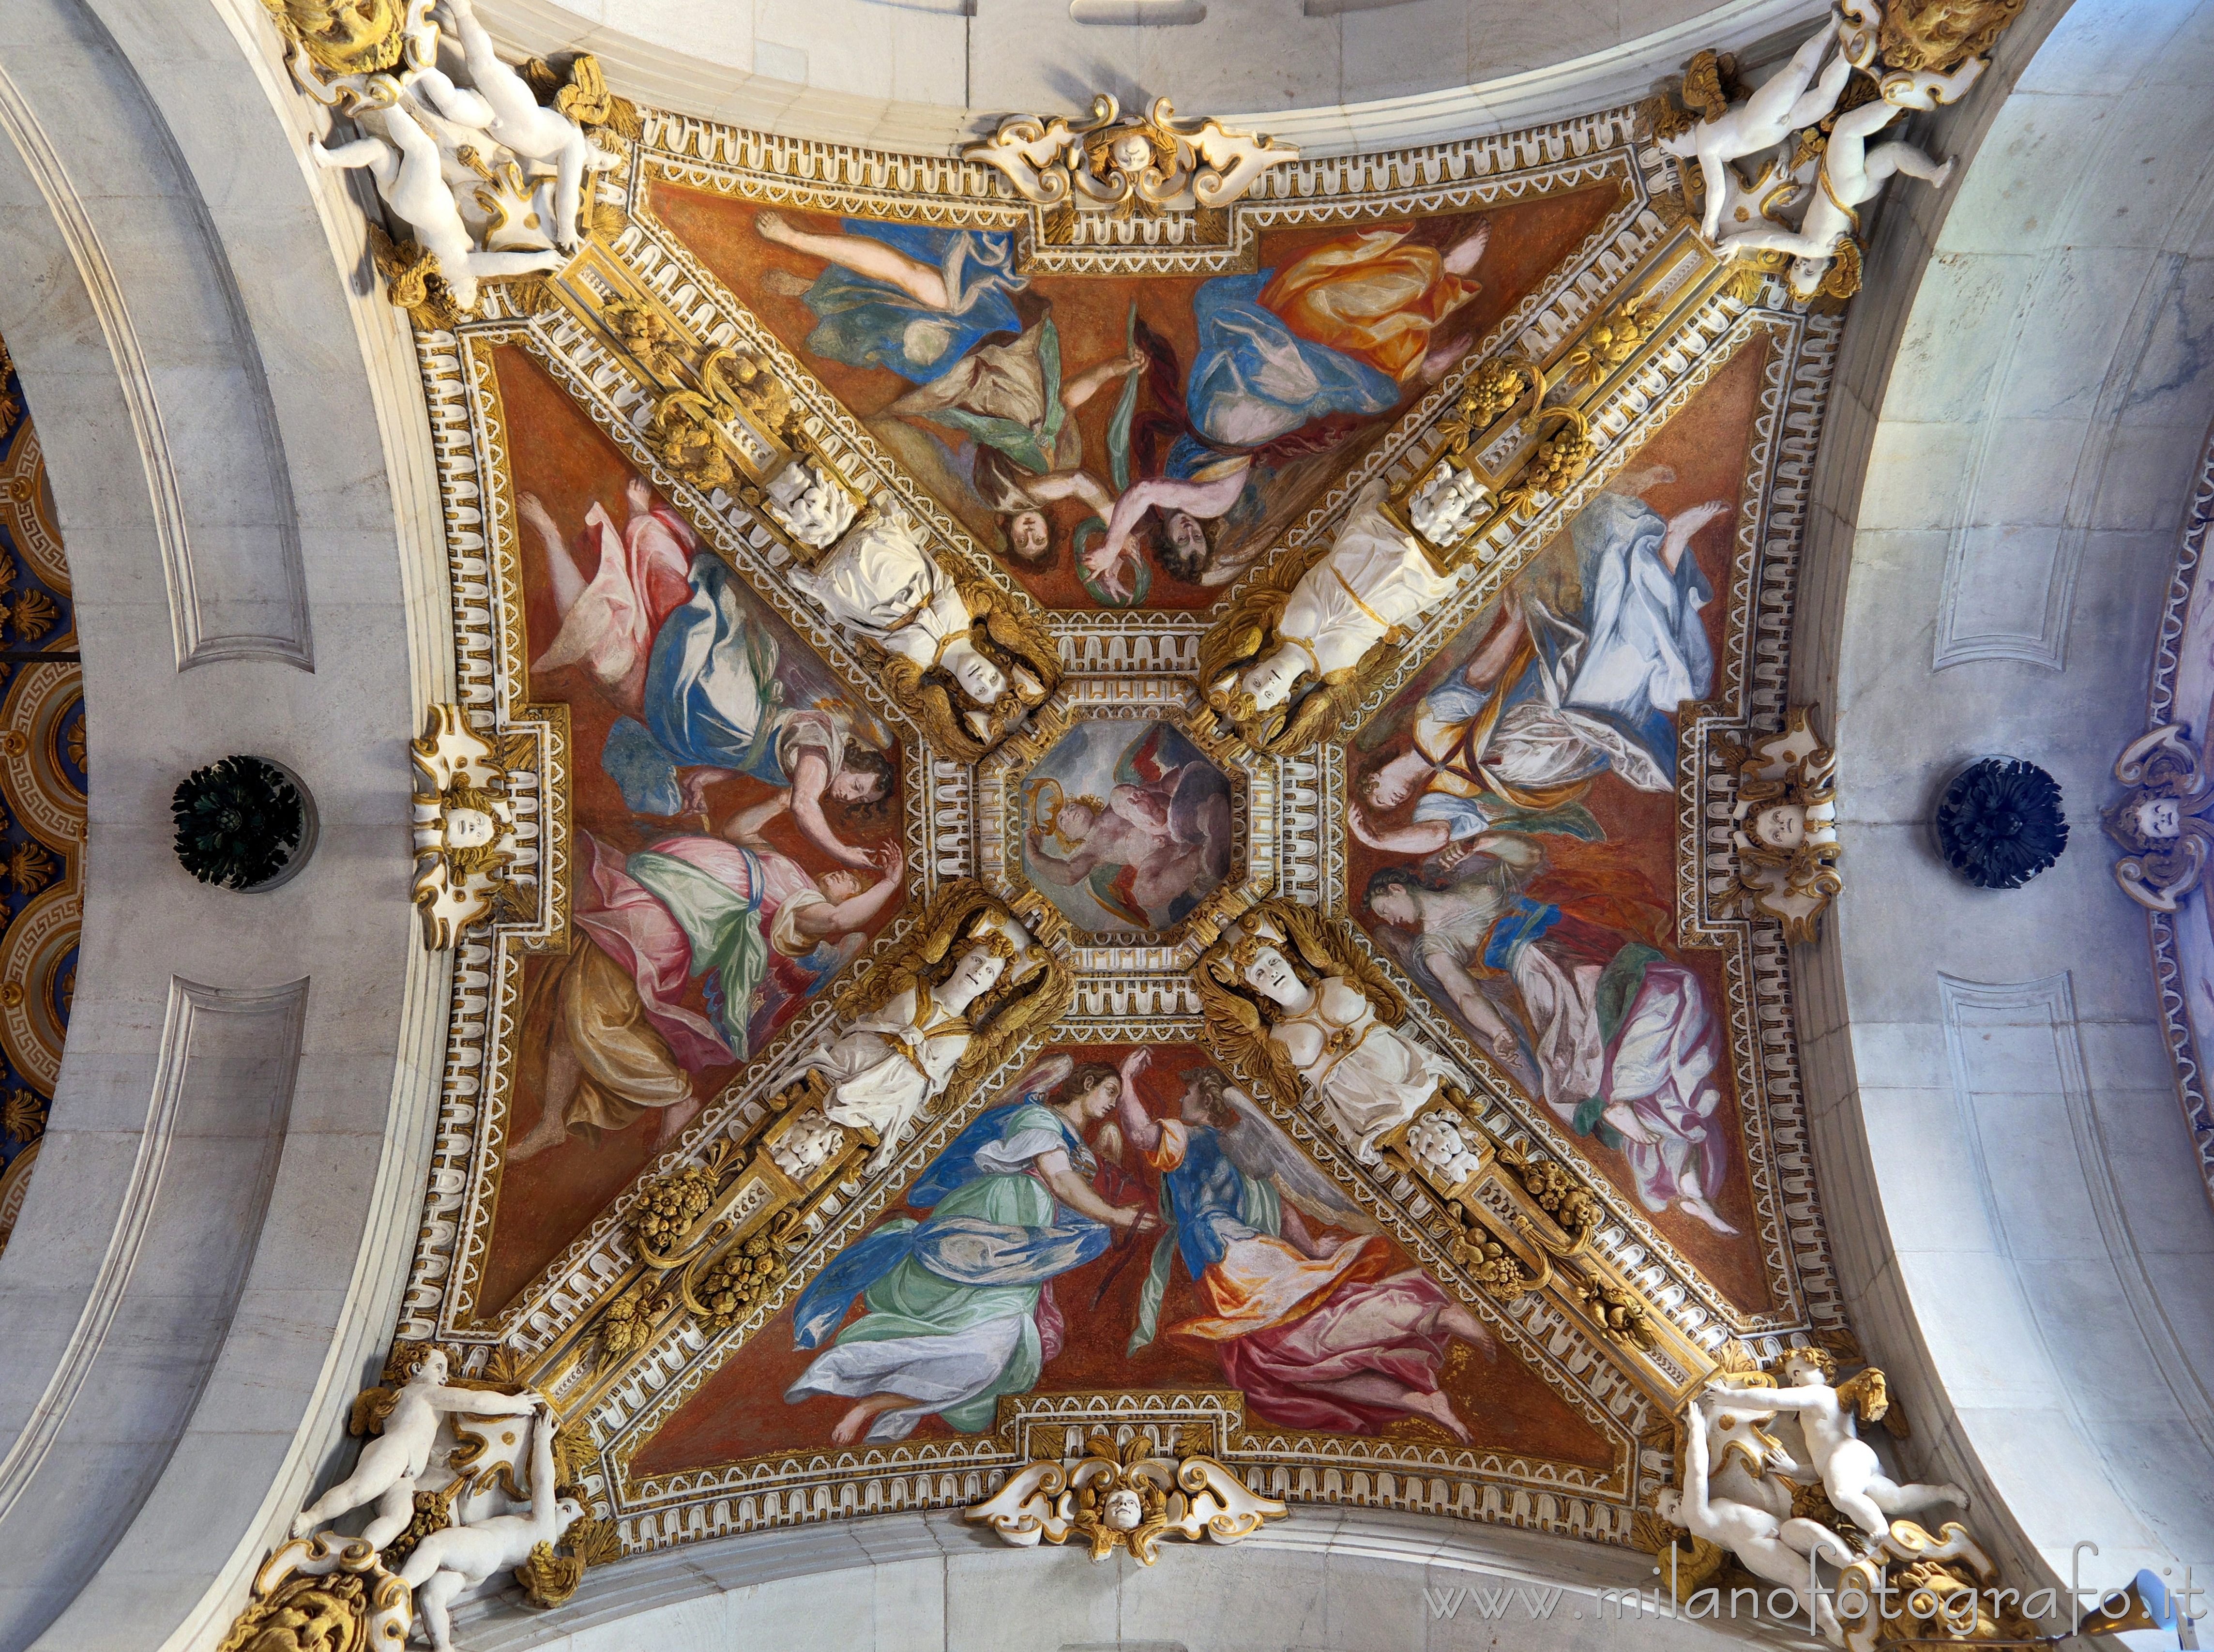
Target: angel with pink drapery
1320,1331
672,641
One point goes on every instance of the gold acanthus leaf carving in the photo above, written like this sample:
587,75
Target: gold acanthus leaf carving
1127,1497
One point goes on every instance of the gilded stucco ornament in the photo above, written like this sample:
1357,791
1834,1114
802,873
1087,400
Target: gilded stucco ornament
734,429
2160,823
1808,133
1774,1477
1784,826
326,1594
469,1478
1123,1498
464,828
1519,1224
1284,665
1458,497
1126,164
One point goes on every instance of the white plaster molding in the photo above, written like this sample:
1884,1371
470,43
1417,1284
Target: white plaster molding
928,1583
2052,1002
198,640
188,1002
373,1292
726,87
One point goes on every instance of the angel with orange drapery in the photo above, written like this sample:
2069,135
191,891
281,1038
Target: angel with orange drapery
1288,358
1320,1331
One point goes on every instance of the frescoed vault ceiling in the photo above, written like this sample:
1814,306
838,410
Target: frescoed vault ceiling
872,825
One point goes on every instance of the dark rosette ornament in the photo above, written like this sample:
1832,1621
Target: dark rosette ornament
1999,823
243,822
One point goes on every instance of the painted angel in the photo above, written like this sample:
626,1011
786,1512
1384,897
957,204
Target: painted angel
960,652
1302,1004
950,1008
1320,1331
959,1304
1286,667
1151,850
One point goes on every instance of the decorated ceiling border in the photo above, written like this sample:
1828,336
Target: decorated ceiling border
782,1489
1707,316
1454,177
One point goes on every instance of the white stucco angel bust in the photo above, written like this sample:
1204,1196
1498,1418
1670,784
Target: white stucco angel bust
1780,1551
1852,1476
959,653
1303,1003
1282,666
972,982
810,503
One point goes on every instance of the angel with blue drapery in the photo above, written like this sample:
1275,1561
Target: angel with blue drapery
959,1305
676,645
1320,1331
938,308
1290,361
1548,703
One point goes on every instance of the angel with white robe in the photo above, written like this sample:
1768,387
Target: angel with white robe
1326,1028
1319,1331
882,586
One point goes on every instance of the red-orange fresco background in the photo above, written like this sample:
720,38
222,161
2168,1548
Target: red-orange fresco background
558,454
740,1411
1091,315
561,457
1706,446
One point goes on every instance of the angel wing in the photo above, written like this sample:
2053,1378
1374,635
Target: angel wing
1322,710
1867,1394
1040,1076
1241,634
1234,1026
1036,1010
1014,631
1261,1150
371,1407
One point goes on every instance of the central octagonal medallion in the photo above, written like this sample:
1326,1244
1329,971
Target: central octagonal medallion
1126,826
